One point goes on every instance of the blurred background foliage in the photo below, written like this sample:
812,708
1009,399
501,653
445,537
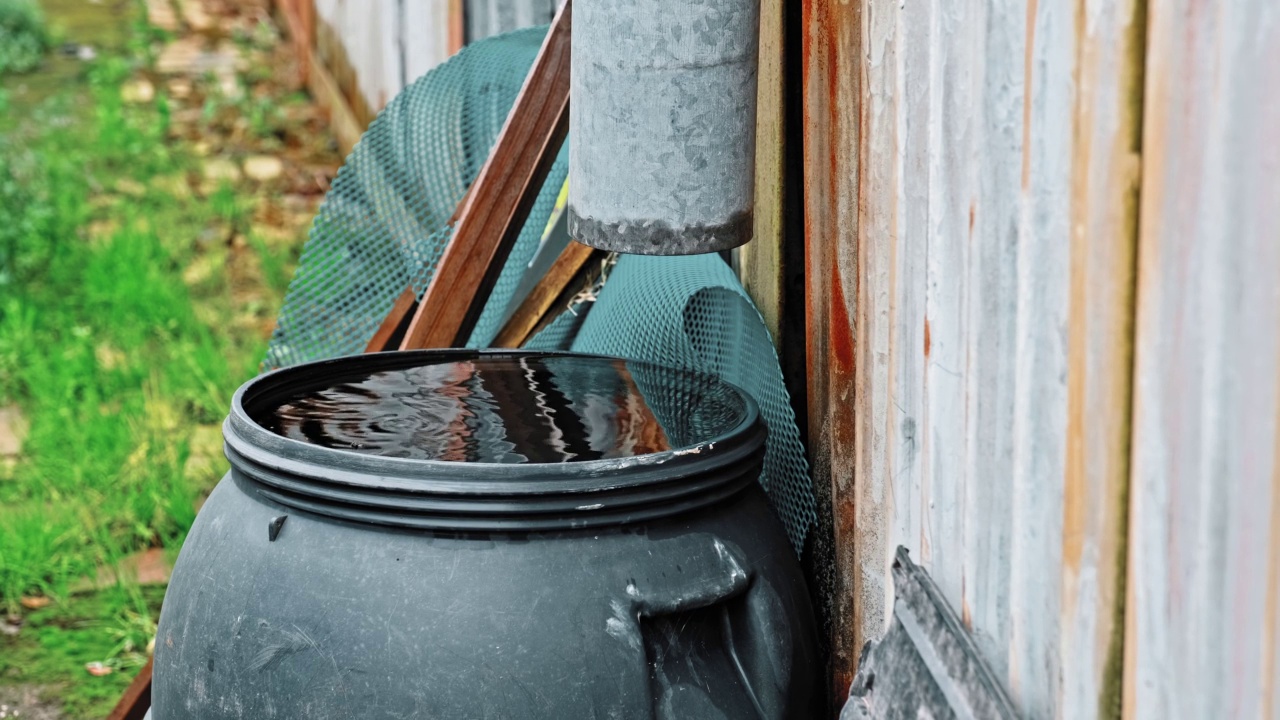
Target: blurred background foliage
139,280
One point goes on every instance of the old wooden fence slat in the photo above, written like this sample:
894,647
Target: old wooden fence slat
1103,240
1201,634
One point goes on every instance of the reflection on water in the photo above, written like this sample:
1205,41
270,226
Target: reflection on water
512,409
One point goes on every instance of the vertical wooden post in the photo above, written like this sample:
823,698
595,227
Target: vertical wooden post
457,25
831,43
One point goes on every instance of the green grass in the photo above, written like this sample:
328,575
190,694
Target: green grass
102,347
66,636
125,326
24,39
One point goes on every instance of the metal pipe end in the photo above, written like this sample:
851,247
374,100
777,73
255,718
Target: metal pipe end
657,237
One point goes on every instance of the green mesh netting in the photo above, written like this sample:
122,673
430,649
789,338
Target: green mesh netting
384,224
692,312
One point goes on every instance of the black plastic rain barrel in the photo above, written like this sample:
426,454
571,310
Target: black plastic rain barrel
479,534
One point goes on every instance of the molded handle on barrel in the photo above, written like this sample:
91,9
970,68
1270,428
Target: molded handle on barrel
701,580
682,616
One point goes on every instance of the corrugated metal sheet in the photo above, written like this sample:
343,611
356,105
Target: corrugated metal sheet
971,206
1202,638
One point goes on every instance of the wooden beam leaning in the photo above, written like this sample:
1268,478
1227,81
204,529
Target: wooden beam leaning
384,337
540,300
500,200
394,325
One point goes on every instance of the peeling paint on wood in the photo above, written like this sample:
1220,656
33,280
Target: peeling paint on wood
971,223
1200,617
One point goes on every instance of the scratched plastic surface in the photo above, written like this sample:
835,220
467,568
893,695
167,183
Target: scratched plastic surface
511,409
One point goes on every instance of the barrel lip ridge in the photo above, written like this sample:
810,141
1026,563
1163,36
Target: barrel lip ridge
464,495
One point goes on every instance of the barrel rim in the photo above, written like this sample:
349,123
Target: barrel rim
446,494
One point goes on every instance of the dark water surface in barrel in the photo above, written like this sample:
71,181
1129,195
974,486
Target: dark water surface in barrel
510,409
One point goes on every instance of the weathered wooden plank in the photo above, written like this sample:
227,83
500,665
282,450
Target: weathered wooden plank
990,251
499,202
830,42
372,49
457,25
426,36
485,18
1201,634
1104,234
343,122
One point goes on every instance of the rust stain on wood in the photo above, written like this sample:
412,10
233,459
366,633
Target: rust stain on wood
841,330
831,77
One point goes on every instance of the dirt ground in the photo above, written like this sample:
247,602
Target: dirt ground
23,701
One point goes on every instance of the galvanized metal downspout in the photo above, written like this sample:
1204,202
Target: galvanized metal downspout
663,117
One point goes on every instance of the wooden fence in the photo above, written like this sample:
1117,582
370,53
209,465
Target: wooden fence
1043,268
359,53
